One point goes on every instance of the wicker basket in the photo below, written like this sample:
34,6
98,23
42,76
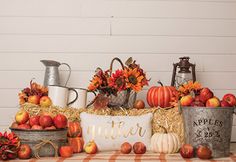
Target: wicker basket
123,98
44,143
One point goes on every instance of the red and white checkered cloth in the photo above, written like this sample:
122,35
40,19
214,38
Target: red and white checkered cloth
116,156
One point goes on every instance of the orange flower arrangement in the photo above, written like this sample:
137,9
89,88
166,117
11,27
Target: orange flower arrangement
189,88
130,78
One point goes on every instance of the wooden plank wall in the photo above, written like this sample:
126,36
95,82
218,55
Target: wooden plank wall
89,33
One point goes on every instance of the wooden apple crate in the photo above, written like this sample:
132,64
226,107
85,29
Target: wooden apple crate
44,143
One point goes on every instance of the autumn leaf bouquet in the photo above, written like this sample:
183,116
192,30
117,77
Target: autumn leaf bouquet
117,85
9,145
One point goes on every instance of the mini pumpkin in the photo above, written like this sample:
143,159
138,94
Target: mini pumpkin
74,129
165,142
76,143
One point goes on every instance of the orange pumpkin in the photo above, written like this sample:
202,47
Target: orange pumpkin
76,143
161,95
74,129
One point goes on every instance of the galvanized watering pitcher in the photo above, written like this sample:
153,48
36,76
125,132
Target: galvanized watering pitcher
51,76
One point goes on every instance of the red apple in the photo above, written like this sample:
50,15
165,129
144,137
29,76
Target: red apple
45,101
91,148
197,104
139,104
21,116
37,127
66,151
213,102
197,98
224,104
186,100
24,152
14,125
205,94
34,99
50,128
23,126
126,148
60,121
139,148
45,121
204,152
34,120
230,98
187,151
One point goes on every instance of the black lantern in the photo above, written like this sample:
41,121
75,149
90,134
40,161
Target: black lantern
184,74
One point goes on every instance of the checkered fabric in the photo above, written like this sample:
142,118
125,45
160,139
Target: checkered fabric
116,156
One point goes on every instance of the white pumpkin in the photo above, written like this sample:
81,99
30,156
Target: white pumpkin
165,142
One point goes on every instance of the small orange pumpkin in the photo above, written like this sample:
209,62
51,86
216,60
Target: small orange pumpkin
76,143
74,129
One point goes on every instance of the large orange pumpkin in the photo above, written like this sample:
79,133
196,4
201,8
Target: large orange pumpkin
160,95
76,143
74,129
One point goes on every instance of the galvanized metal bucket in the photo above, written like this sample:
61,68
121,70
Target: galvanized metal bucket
44,143
209,126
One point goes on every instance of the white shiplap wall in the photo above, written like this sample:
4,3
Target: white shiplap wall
89,33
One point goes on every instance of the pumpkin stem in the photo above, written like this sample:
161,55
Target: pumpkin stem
165,130
159,82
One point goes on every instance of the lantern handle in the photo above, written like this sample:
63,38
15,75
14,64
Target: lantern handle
174,74
193,72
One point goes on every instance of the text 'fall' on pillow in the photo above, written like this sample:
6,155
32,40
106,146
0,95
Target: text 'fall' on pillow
110,132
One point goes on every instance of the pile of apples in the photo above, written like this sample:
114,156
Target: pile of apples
35,94
206,98
38,122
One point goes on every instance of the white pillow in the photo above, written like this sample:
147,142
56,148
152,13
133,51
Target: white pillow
110,132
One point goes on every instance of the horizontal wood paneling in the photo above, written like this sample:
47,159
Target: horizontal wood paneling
90,61
105,8
40,8
9,115
183,27
52,26
161,9
120,26
121,44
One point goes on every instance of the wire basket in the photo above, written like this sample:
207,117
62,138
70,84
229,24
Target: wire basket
125,98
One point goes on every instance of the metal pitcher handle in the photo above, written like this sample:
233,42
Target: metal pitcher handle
92,100
76,96
69,72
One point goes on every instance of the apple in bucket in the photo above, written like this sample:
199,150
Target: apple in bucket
60,121
45,121
22,116
34,120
